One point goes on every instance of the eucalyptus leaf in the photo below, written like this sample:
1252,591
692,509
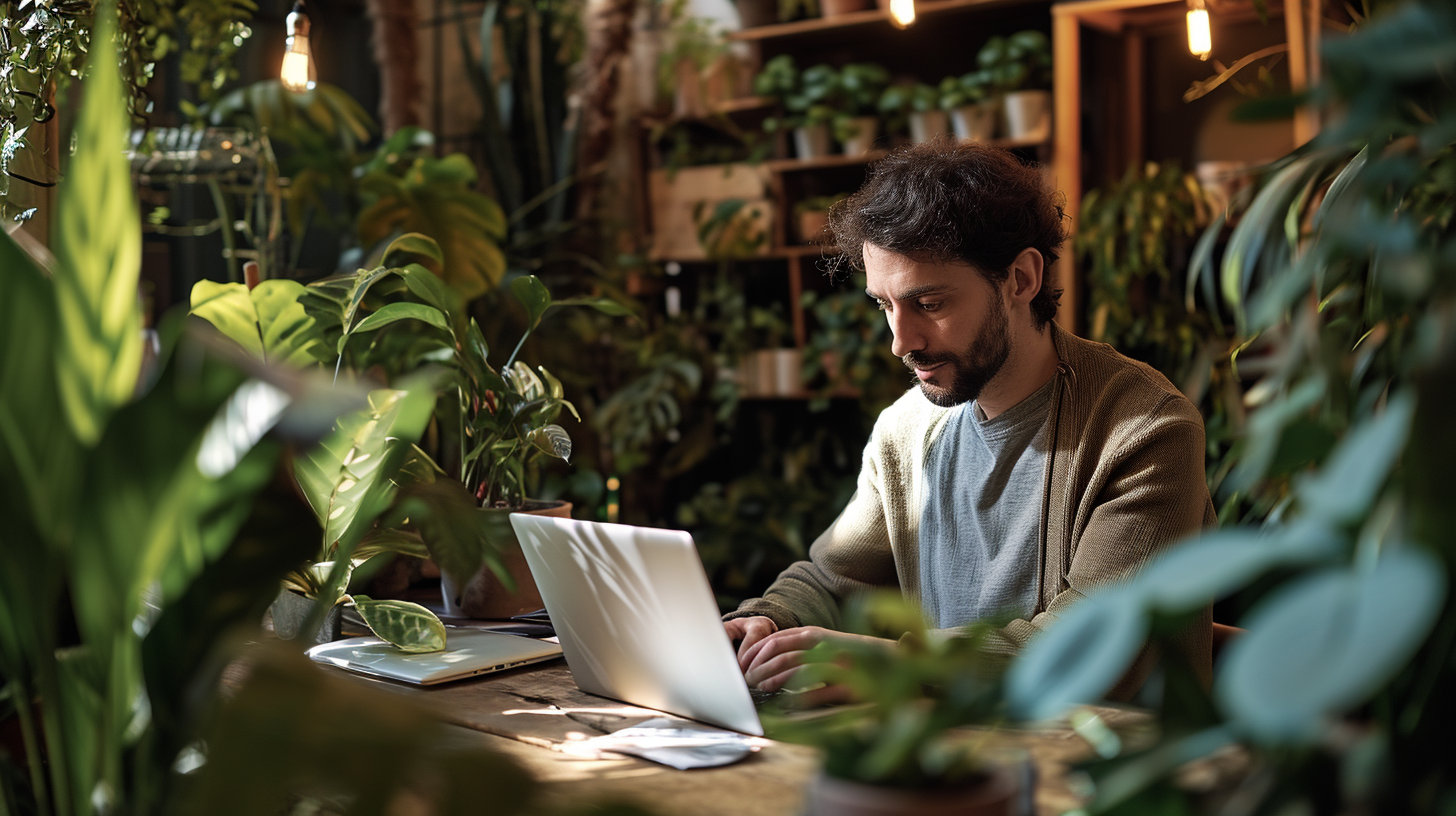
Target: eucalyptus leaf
1325,642
1078,657
1348,484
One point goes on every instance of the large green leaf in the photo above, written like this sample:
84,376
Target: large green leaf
395,312
353,467
1352,478
1325,642
98,351
408,626
1079,656
270,321
531,292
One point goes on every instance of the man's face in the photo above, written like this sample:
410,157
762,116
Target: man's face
950,324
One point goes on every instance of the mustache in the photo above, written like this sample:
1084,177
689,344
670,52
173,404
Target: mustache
914,360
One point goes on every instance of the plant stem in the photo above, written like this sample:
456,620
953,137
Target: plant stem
22,697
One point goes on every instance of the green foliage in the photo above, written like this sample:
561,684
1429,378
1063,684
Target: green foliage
409,626
1022,61
407,190
967,89
1339,274
270,321
821,94
49,42
850,350
733,228
913,696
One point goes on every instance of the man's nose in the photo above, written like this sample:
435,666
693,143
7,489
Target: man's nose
906,337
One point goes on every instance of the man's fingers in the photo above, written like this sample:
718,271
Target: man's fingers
818,696
771,664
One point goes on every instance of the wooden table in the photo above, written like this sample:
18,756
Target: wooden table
535,714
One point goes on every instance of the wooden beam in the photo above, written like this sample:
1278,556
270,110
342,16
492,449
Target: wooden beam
1067,162
1134,69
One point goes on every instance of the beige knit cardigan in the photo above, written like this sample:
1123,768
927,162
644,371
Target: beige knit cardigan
1124,479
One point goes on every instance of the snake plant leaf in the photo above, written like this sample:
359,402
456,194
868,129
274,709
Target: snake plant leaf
552,439
409,626
98,243
1325,642
532,293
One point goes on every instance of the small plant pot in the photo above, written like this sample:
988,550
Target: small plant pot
788,368
866,130
1029,114
290,611
765,373
928,125
483,595
835,8
812,141
975,123
754,13
812,224
994,794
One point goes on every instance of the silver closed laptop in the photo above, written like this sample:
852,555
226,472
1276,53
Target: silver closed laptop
636,618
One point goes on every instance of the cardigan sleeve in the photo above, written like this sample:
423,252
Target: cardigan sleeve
851,557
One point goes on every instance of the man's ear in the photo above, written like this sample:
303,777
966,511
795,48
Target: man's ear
1025,276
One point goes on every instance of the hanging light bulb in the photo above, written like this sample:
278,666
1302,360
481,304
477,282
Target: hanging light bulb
1200,37
298,72
902,13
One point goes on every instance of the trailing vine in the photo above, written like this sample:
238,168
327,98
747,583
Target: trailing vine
45,44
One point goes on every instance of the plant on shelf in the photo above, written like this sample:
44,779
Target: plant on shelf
857,92
970,102
804,102
1339,274
1019,74
796,9
849,352
911,699
914,103
811,216
694,44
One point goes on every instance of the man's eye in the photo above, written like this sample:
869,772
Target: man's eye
928,307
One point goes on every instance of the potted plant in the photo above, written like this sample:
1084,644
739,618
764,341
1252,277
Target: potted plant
1020,66
797,9
857,89
811,216
969,101
803,100
898,750
919,104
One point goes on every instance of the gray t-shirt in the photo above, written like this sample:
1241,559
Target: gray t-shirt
980,527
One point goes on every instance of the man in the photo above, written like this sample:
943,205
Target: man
1026,468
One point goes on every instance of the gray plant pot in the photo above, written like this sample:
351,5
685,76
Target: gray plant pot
290,611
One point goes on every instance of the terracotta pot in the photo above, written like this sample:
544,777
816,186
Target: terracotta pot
993,795
484,596
928,125
812,224
834,8
1029,114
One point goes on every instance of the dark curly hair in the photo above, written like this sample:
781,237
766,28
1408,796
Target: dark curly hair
957,202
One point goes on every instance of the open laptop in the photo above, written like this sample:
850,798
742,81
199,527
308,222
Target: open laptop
636,618
467,653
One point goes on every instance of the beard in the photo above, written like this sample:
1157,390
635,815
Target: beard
968,372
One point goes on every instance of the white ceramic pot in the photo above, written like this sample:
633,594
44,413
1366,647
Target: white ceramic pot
788,367
975,122
765,373
812,141
866,130
1029,114
928,125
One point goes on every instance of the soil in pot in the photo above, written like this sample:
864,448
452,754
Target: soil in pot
484,596
991,794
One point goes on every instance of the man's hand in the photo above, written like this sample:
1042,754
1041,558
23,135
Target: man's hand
772,661
745,632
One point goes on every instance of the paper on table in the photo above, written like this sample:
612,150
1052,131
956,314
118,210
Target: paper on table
680,744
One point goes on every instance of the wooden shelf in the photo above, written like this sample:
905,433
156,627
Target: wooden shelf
861,18
821,162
